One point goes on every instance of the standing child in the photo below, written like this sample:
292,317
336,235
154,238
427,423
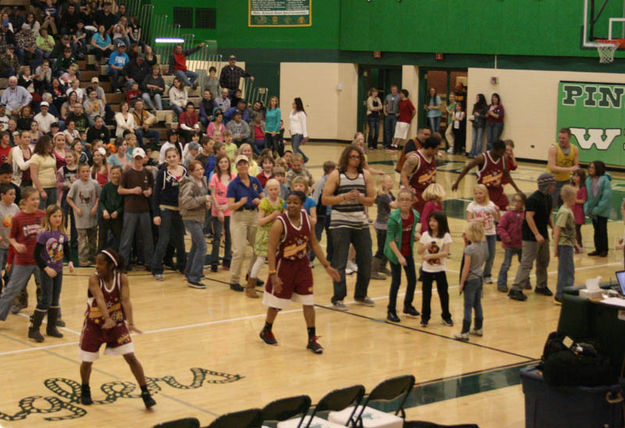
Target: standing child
111,207
267,163
433,196
598,205
399,242
434,249
8,210
231,148
579,179
218,187
52,242
510,230
300,184
471,280
564,240
269,210
290,274
279,173
109,320
23,238
83,198
482,209
384,201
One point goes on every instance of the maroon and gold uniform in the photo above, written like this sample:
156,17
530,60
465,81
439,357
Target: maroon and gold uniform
292,266
117,339
491,176
423,175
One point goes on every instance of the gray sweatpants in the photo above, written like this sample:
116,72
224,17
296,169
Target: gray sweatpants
531,251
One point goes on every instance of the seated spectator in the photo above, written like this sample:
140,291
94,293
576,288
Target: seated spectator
188,122
178,64
101,43
117,62
120,157
143,122
61,44
135,37
4,119
43,77
58,95
50,13
217,125
63,63
239,128
153,87
9,62
136,71
69,19
35,133
98,131
93,107
178,97
44,119
47,97
223,102
45,43
105,17
124,120
34,24
70,133
118,34
99,90
78,115
79,40
15,97
66,108
25,119
207,105
75,87
26,45
26,80
212,83
231,75
133,94
258,109
241,107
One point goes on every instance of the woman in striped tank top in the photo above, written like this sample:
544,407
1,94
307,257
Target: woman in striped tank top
350,189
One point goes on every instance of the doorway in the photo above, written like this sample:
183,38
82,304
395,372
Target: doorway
445,81
374,76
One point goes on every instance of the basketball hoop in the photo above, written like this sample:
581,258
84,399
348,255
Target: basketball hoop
606,50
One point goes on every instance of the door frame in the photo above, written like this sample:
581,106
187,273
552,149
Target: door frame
423,89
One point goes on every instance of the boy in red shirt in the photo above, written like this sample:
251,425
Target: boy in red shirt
23,238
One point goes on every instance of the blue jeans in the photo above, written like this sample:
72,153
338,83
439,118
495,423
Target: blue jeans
157,104
478,141
342,237
491,245
566,268
136,223
50,291
374,128
473,301
115,75
176,109
18,280
493,133
296,140
389,129
170,231
435,123
218,228
411,277
151,134
187,77
509,253
197,253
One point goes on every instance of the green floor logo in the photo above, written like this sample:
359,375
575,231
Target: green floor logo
596,115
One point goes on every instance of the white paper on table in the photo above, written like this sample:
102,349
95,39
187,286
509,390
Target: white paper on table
614,301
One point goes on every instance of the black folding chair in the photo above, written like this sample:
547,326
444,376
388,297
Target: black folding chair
251,418
180,423
420,424
396,388
338,400
286,408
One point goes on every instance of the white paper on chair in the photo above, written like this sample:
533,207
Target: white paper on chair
614,301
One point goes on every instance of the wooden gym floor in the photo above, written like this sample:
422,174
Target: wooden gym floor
202,350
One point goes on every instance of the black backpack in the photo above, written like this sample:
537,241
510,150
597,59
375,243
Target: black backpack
579,364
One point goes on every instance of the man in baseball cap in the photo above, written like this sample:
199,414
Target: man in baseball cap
538,216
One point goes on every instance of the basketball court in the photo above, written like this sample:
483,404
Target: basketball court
202,351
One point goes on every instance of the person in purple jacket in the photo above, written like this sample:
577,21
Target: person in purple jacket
509,230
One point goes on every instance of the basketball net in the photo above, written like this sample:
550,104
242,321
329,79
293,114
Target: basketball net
606,52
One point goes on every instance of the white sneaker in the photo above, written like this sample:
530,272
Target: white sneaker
339,306
463,337
450,150
350,267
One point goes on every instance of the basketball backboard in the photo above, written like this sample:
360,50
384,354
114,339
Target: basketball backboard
602,20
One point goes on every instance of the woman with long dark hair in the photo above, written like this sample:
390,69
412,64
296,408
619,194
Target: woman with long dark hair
494,117
478,117
433,107
299,133
597,206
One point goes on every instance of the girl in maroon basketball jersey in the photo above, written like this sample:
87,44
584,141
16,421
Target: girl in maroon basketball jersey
290,275
109,320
